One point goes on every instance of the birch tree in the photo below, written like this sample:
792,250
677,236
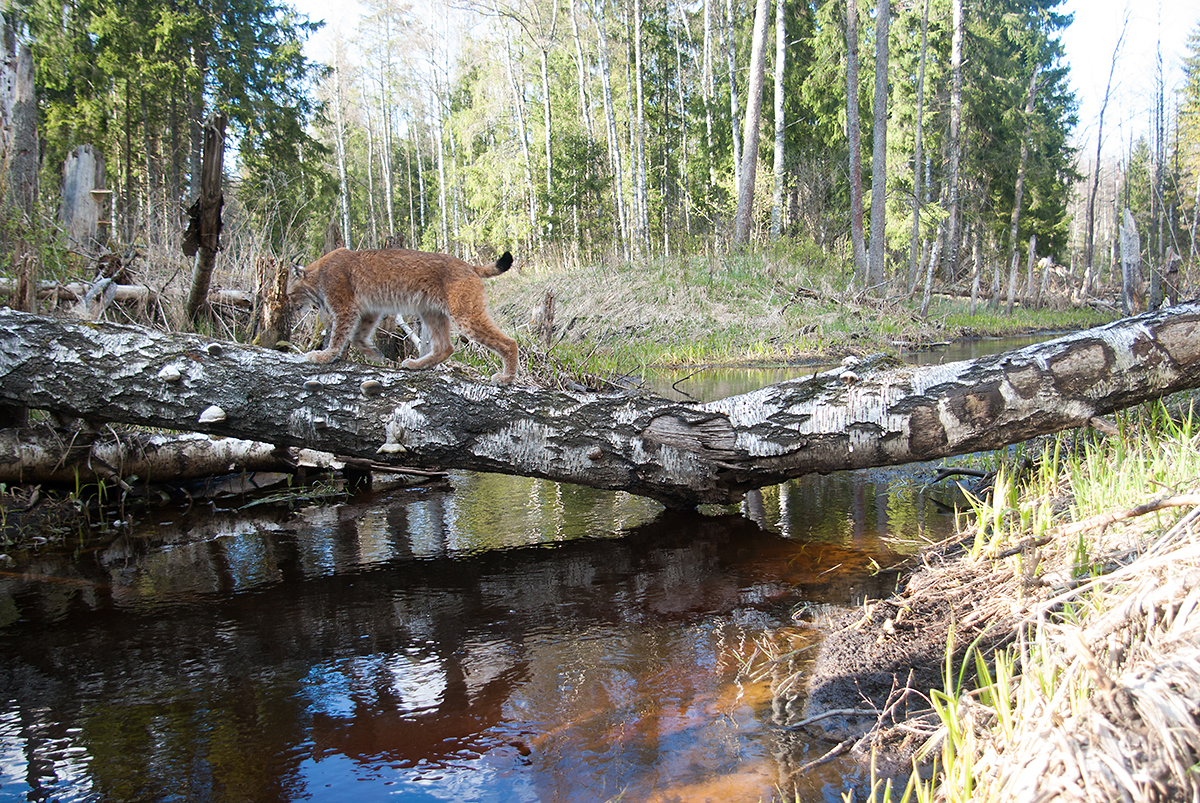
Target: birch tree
339,136
954,143
683,454
745,206
780,128
876,275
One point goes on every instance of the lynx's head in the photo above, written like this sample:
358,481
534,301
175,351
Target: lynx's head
302,288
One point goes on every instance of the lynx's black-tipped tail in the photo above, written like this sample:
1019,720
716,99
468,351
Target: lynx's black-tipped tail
499,266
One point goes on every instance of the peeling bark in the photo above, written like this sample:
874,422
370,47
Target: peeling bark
874,414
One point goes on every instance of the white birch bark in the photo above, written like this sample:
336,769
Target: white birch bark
955,140
749,171
780,128
518,101
610,117
872,414
339,136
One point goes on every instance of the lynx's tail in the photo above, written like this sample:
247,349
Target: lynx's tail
502,264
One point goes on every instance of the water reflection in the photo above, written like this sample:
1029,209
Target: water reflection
500,639
494,641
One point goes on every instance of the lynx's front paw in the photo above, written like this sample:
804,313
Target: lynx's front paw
320,356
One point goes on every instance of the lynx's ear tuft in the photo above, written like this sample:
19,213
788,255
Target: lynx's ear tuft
504,262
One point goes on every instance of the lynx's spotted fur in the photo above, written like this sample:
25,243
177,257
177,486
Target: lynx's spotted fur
360,287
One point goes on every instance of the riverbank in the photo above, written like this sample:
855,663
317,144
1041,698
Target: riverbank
616,319
1051,651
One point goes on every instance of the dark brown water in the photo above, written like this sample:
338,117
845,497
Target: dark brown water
501,639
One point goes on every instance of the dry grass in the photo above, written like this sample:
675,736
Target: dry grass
1097,698
1108,706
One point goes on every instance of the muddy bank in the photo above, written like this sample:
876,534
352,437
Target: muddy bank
868,687
1115,641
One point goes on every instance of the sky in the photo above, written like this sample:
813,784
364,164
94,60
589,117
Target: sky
1154,26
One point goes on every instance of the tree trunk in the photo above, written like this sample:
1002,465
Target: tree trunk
641,193
749,171
682,454
610,120
731,60
339,134
82,194
876,275
582,70
707,92
780,129
1090,235
1014,278
1019,195
927,295
19,149
203,236
854,132
918,157
954,145
1131,255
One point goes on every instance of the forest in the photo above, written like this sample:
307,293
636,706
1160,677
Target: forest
600,130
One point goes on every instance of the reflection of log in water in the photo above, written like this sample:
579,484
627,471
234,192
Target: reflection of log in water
87,656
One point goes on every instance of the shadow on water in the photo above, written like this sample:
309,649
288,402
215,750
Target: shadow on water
505,639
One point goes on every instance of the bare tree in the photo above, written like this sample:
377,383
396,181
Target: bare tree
734,116
203,236
614,140
758,67
339,138
1090,235
875,271
854,130
954,145
780,129
582,70
642,219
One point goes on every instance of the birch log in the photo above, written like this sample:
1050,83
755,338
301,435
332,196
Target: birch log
873,414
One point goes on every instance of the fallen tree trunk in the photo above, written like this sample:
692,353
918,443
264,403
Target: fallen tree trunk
682,454
43,455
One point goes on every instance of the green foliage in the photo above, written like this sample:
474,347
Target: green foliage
134,78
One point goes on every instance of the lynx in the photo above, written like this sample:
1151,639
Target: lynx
360,287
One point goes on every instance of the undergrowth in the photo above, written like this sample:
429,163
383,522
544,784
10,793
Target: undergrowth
1035,715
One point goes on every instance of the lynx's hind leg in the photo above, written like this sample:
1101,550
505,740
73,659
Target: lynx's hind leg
363,333
440,348
483,330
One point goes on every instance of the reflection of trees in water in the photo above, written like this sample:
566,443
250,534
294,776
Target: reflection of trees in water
219,662
412,710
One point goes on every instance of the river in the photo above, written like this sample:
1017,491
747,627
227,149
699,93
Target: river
488,638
